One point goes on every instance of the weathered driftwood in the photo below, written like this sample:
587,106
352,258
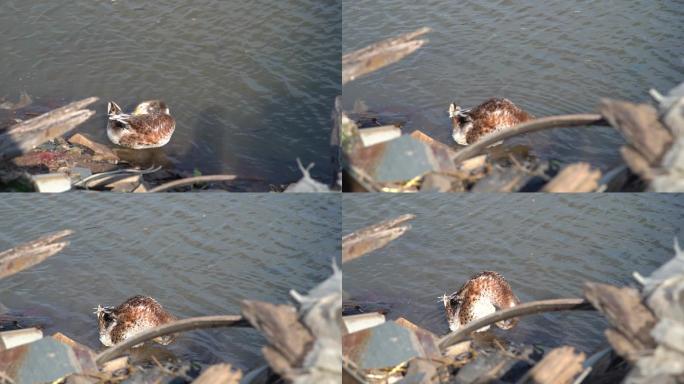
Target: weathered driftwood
578,177
31,253
373,237
219,373
23,137
192,180
560,121
188,324
375,56
639,125
102,151
560,366
509,313
630,319
17,337
289,339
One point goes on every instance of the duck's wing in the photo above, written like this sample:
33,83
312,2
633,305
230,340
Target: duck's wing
151,124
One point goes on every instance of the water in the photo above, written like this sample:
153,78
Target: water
546,247
251,85
550,57
196,256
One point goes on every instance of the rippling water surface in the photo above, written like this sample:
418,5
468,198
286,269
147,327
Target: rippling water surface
251,84
196,256
545,246
549,57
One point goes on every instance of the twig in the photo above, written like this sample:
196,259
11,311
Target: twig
560,121
133,171
29,254
524,309
192,180
169,328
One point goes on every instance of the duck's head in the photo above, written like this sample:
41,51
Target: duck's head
152,107
461,123
452,305
106,320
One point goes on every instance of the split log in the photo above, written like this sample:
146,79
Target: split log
375,56
639,125
290,341
373,237
630,319
23,137
32,253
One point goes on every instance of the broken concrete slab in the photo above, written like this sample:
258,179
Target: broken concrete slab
386,345
45,360
401,159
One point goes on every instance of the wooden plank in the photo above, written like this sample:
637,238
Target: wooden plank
373,237
34,252
375,56
23,137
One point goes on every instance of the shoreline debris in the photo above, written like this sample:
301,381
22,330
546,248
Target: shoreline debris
377,157
643,336
304,339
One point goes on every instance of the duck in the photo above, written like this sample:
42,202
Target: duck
494,115
136,314
480,296
149,126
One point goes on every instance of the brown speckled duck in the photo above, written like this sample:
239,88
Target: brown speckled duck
133,316
149,126
493,115
480,296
